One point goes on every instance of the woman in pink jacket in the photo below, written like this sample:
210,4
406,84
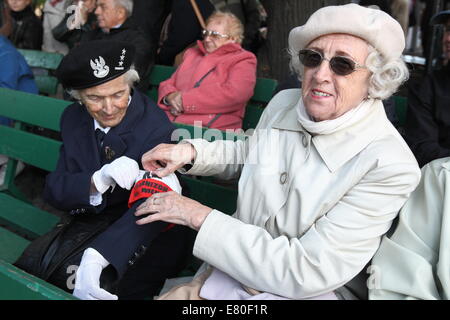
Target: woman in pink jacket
216,79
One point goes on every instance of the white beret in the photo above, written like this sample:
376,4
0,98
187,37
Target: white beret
378,28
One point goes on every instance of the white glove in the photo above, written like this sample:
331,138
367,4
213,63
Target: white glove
122,171
87,280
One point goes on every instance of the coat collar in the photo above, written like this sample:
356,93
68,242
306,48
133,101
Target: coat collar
339,147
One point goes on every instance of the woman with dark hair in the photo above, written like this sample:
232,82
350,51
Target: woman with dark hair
26,26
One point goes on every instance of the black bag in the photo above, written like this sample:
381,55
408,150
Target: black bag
55,256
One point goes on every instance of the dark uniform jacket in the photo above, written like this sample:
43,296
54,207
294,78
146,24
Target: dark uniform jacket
68,187
427,128
130,33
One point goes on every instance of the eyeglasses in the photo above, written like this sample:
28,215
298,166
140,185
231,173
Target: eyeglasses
213,34
341,66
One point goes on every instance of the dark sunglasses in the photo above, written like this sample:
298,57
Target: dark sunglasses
213,34
341,66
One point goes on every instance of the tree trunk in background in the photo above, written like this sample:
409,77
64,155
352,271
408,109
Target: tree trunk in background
283,15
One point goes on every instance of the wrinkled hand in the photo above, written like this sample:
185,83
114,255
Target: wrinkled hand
165,159
175,100
122,171
87,281
173,208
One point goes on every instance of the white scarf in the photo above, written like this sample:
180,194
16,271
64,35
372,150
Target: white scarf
330,126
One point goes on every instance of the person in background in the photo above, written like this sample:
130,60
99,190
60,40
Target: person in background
114,23
428,114
248,12
183,29
215,80
73,24
321,179
53,12
26,26
14,74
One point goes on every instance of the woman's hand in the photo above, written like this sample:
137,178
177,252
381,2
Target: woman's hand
173,208
165,159
176,102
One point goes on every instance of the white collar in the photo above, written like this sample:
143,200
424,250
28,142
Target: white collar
98,126
343,139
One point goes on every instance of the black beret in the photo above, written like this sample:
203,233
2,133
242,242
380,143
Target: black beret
440,18
95,62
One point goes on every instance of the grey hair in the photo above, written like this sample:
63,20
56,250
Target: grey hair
234,25
126,4
131,76
387,75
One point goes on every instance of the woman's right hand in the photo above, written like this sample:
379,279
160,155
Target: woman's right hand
176,102
165,159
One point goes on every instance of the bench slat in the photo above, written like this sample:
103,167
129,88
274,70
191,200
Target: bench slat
19,285
160,73
25,218
212,195
12,245
47,84
264,90
12,104
40,151
41,59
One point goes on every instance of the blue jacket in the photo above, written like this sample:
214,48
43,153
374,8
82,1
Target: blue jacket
14,72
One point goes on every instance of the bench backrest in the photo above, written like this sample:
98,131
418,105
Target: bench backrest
46,62
264,90
29,109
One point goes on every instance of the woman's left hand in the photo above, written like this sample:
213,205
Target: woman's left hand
173,208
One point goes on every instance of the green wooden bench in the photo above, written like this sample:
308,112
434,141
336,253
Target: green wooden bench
20,221
263,92
46,62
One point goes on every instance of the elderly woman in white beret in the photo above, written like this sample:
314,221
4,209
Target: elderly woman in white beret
321,179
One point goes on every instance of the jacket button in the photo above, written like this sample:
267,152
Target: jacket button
305,141
283,178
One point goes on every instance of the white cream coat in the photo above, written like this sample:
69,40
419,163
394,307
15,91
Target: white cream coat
414,262
311,209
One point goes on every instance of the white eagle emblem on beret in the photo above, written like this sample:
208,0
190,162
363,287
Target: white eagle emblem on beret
100,68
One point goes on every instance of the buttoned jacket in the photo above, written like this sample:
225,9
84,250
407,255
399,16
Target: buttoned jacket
311,209
68,187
